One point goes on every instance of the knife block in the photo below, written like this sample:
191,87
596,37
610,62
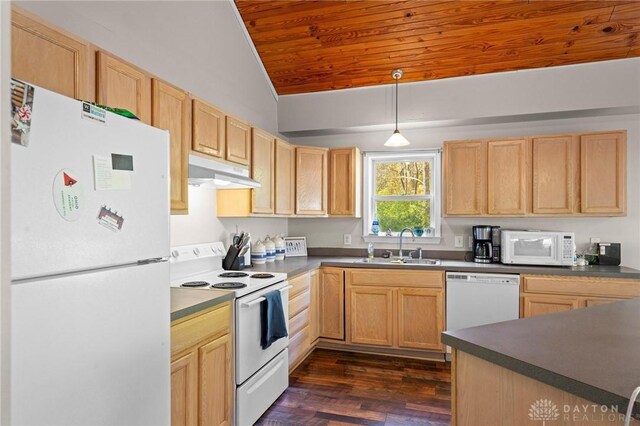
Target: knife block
231,261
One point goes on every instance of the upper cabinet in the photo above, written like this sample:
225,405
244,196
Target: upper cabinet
507,176
208,129
465,178
311,180
603,172
345,182
172,112
122,85
238,135
554,173
285,177
49,57
262,170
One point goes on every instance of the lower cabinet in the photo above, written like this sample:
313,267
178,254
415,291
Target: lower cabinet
299,319
331,303
201,368
314,308
546,294
396,309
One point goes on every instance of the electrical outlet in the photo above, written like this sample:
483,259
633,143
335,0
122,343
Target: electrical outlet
459,241
594,240
347,239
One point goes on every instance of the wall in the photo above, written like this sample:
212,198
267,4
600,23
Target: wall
626,230
5,240
196,45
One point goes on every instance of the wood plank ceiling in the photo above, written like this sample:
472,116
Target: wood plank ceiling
309,46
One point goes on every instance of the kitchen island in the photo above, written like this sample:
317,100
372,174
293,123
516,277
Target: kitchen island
577,367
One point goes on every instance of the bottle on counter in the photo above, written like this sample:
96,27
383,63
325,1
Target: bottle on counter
270,248
375,227
370,251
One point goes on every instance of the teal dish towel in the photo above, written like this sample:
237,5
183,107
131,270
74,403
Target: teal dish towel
273,323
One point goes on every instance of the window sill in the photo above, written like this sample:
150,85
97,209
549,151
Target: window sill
405,240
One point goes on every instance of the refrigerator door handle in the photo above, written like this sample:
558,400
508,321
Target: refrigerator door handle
153,260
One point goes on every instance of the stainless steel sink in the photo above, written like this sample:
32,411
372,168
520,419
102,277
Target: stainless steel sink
399,261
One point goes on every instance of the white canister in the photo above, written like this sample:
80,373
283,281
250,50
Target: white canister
270,248
258,253
279,242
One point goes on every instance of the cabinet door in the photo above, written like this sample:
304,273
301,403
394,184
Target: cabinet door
311,181
172,112
215,382
344,182
465,178
262,170
370,316
603,172
314,307
285,177
49,57
184,390
535,305
122,85
594,301
208,129
238,134
420,318
554,163
332,303
507,170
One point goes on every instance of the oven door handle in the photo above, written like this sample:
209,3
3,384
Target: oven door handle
261,299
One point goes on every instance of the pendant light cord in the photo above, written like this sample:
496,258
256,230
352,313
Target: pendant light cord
396,78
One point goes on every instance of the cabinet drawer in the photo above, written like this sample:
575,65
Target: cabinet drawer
582,286
393,277
299,322
188,333
299,345
300,284
298,303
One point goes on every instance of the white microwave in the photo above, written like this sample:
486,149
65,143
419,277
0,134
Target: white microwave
537,248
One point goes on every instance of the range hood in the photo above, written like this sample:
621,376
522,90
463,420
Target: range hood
218,174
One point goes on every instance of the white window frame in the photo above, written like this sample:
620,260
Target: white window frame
369,207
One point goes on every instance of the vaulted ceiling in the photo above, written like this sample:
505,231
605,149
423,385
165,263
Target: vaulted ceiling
309,46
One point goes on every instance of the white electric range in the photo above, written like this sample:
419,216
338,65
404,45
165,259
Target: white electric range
261,375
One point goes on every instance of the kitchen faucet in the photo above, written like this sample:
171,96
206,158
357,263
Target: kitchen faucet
402,232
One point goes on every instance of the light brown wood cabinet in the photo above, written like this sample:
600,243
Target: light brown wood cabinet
208,129
603,173
49,57
544,294
201,368
262,170
465,178
311,180
122,85
172,111
299,319
507,182
331,297
238,141
396,309
554,173
345,182
582,174
314,307
285,178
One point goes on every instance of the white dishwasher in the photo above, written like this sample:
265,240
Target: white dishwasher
478,299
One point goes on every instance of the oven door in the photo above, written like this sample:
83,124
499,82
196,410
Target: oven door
531,248
250,356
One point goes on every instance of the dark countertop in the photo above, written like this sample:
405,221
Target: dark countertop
187,301
297,265
591,352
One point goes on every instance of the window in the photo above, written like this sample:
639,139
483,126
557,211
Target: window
402,190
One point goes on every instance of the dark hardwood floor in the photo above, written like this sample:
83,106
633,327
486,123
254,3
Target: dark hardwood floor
339,388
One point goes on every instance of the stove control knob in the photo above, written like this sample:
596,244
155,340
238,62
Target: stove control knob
175,253
196,251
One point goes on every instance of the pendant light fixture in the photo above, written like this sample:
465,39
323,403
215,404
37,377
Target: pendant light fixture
396,138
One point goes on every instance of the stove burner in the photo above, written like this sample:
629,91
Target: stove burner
195,284
229,285
233,275
262,276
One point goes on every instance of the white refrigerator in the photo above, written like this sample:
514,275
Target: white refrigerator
90,282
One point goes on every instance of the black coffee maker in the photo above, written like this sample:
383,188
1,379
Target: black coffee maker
482,244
